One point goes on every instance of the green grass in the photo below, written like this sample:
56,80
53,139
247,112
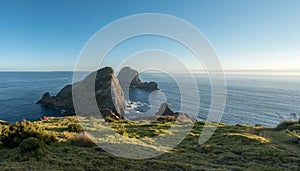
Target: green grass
231,147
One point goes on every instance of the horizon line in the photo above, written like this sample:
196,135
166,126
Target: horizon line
198,70
271,72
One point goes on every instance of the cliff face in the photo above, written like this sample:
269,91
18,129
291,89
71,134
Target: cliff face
129,78
108,92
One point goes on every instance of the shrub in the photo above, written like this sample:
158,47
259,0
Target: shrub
110,119
29,144
82,139
295,127
12,135
286,125
75,127
165,119
295,138
271,153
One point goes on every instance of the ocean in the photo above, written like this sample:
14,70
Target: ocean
251,99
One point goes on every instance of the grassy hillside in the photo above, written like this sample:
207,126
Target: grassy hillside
59,144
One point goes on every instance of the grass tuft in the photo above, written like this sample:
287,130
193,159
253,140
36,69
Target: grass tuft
82,139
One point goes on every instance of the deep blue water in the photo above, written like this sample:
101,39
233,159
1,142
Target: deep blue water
19,92
250,99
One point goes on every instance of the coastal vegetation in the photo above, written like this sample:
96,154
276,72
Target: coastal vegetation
61,143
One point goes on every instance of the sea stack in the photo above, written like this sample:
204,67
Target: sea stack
129,78
108,92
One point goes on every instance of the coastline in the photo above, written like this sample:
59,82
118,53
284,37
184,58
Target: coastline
247,102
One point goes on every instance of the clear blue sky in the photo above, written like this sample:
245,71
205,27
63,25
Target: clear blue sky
247,34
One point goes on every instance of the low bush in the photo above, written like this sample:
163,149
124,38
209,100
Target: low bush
12,135
75,127
29,144
288,124
295,137
271,153
82,139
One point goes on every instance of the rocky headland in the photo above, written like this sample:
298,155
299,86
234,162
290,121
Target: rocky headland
108,92
111,92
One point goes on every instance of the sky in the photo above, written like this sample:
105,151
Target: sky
49,35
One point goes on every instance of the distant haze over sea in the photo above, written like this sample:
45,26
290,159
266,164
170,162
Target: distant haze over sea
225,71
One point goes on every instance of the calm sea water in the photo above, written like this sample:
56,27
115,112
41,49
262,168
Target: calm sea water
250,99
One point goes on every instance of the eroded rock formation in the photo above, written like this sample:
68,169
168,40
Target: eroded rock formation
108,92
129,81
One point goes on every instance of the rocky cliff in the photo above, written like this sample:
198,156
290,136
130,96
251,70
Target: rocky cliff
108,92
129,78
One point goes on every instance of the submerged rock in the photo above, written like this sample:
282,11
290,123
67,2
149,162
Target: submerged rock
108,93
